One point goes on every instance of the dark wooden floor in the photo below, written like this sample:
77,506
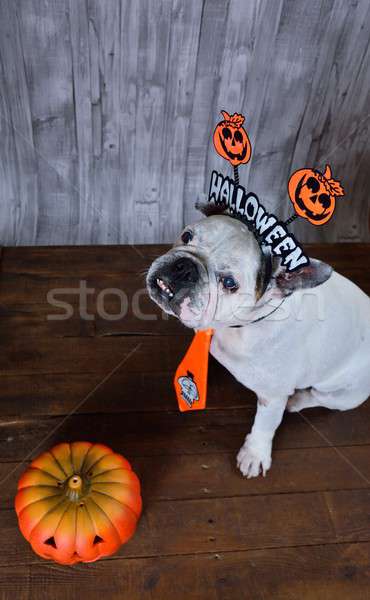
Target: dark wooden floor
206,533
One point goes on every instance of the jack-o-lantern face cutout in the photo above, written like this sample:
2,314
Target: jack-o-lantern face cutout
313,194
231,140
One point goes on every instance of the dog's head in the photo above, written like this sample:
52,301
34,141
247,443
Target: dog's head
216,274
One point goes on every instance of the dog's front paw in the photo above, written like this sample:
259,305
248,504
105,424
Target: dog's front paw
254,457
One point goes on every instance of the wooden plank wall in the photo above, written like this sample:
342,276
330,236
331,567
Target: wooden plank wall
106,110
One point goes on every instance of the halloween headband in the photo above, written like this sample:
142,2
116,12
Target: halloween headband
267,228
313,195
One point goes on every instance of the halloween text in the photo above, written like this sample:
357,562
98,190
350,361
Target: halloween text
267,228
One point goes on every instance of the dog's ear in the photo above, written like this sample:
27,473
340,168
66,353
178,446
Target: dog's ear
264,274
310,276
208,209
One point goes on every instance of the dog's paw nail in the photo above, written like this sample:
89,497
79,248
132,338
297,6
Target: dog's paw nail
252,462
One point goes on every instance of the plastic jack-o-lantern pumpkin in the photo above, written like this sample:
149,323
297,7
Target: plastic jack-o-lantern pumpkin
78,502
231,140
313,194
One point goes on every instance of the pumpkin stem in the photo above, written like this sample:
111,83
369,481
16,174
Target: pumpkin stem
75,482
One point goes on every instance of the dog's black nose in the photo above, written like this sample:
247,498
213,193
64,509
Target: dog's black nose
185,269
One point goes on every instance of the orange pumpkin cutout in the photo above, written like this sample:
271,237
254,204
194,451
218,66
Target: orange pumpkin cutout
78,502
231,140
313,194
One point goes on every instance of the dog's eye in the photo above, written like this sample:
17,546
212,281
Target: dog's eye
186,237
229,283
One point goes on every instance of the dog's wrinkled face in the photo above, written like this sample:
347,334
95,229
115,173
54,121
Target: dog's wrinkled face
216,275
210,276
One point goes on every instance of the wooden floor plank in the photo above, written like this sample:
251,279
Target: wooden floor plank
15,583
106,291
91,355
209,525
84,260
338,572
33,322
126,309
57,394
226,524
173,433
350,512
216,475
329,572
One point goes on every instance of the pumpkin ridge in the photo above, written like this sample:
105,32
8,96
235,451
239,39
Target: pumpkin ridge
109,470
87,454
90,517
115,500
75,527
126,485
58,463
103,511
96,462
43,516
41,471
59,522
70,457
83,461
42,485
40,500
49,511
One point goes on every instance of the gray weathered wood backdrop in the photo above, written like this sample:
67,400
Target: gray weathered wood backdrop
107,108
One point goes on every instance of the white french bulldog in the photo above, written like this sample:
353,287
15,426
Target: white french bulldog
297,340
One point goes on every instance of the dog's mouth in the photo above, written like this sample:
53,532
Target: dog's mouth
178,283
164,288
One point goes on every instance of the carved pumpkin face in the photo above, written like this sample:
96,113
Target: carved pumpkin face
313,194
78,502
231,140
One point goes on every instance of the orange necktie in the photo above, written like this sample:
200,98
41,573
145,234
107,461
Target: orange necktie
191,375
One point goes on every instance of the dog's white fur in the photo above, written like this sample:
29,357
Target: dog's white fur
313,350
